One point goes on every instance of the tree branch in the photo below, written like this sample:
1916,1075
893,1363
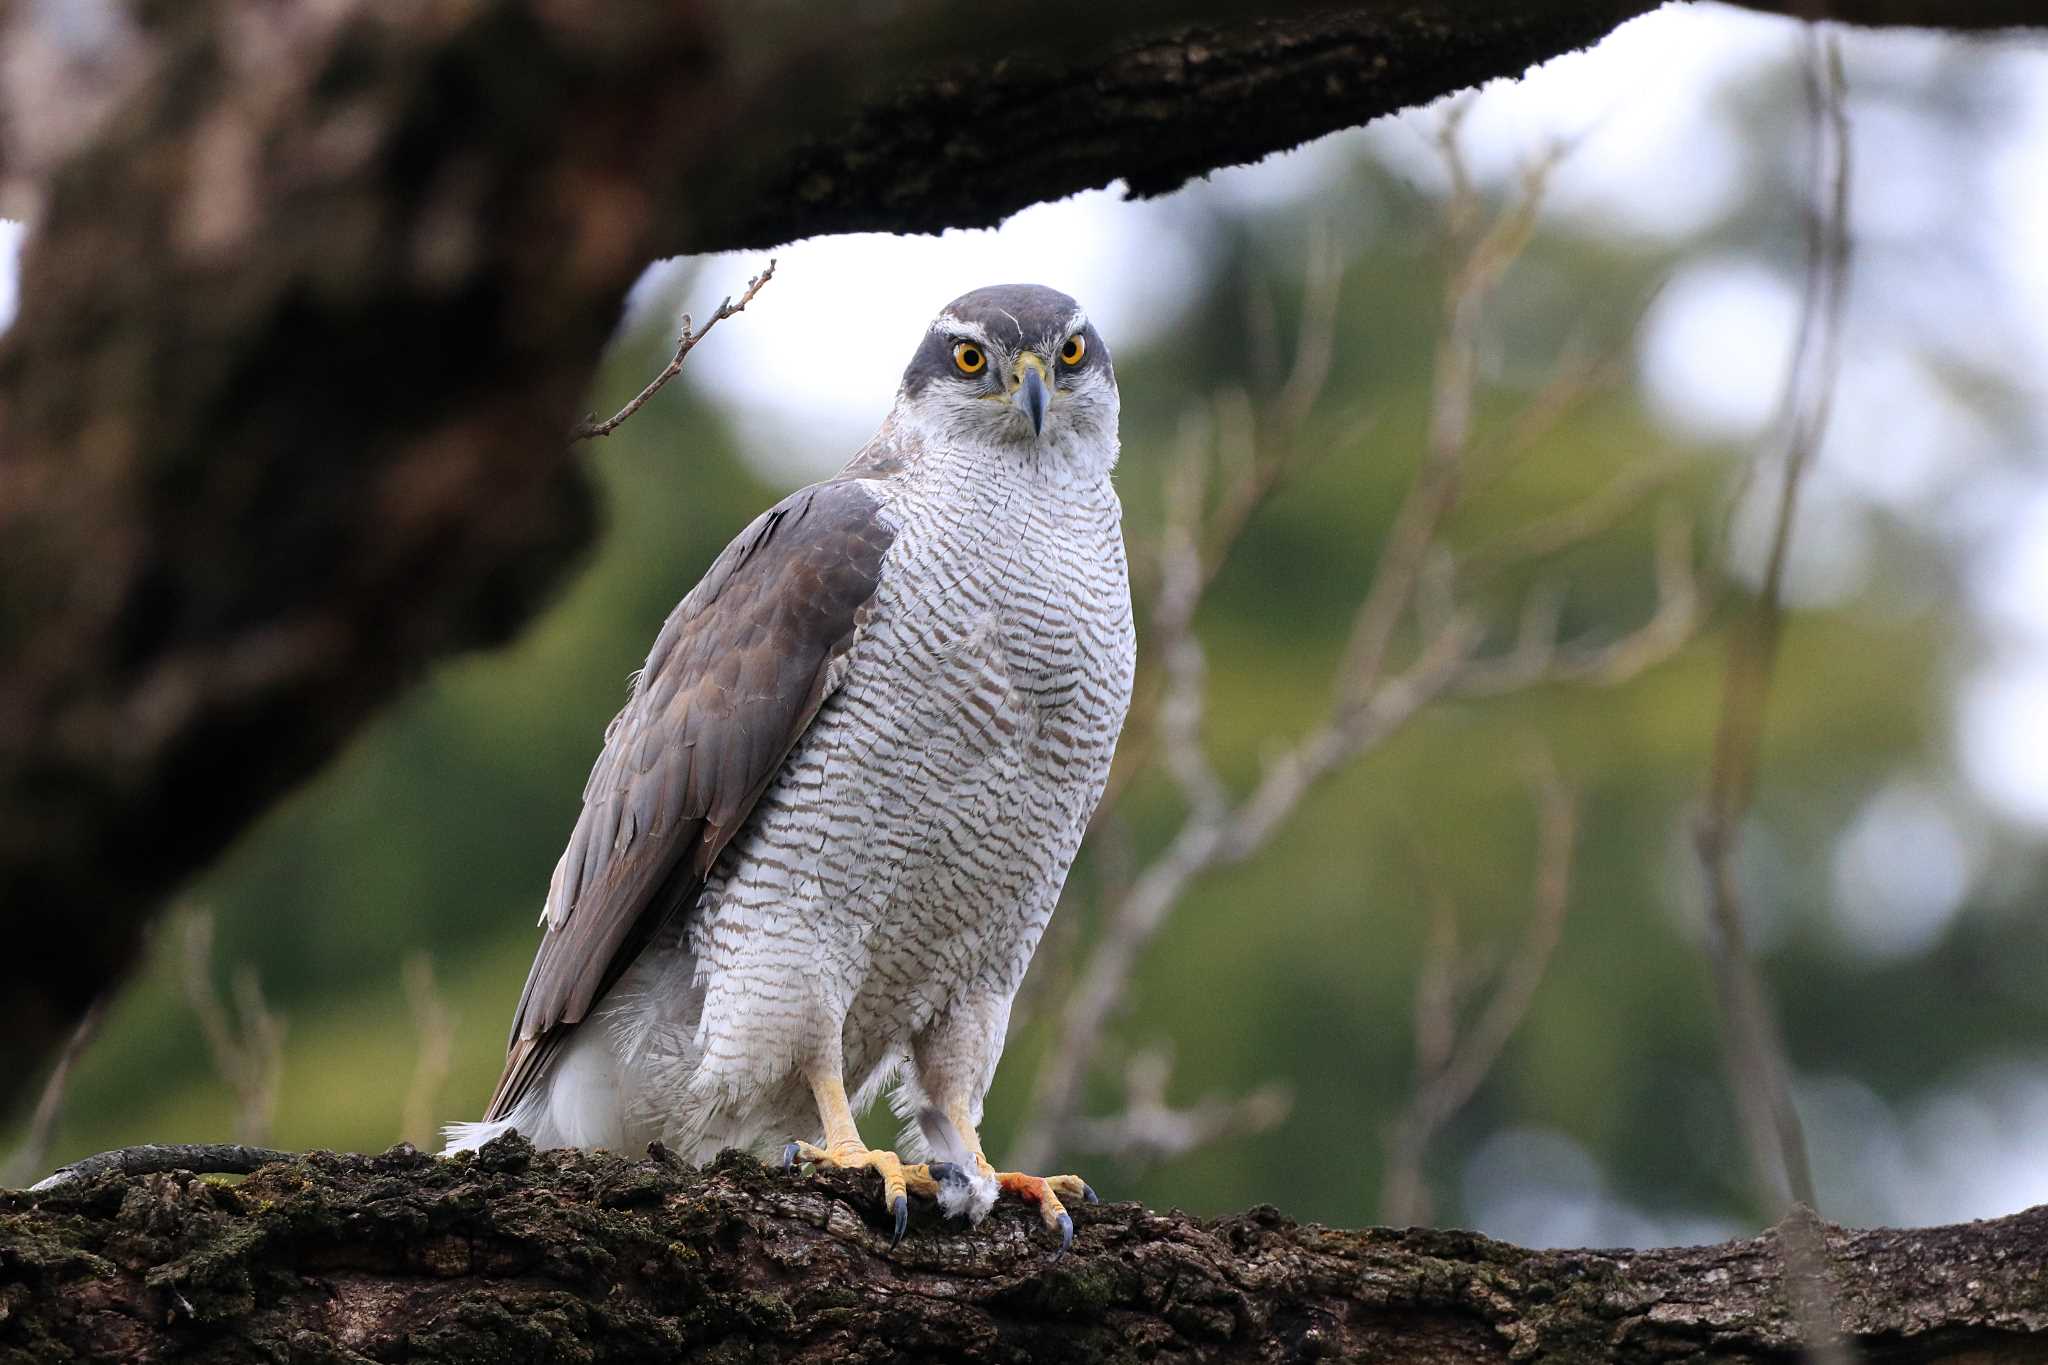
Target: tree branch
434,1024
516,1255
1755,1053
34,1151
686,342
247,1045
1451,1063
205,1158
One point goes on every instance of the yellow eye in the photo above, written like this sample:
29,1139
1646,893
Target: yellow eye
1070,354
969,358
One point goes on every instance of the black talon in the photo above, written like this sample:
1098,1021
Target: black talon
902,1221
789,1155
1066,1226
1088,1195
947,1173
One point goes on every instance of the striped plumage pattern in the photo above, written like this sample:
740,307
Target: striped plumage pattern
951,660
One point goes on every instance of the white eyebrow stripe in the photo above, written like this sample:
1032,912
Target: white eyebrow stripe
947,322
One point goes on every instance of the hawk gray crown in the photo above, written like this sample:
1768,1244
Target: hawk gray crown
829,826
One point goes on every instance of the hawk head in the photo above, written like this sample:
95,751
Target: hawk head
1016,365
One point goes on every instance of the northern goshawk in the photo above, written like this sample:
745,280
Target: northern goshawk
828,828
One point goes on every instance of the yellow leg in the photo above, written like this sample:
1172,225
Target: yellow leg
844,1149
1048,1192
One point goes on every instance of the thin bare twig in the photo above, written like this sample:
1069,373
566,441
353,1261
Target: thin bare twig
34,1152
1575,525
1146,1129
1451,1064
434,1023
1755,1054
1434,491
686,341
247,1045
1257,452
1752,1045
201,1158
1576,376
1540,657
1181,579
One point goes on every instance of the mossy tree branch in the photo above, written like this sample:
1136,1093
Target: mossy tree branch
511,1255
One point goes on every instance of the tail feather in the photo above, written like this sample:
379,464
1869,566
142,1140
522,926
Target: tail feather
467,1137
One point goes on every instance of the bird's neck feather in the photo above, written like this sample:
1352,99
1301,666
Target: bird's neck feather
1069,455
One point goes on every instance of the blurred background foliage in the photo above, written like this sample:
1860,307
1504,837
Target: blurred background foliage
1897,905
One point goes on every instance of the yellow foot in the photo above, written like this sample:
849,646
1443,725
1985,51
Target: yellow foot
898,1180
970,1185
1050,1193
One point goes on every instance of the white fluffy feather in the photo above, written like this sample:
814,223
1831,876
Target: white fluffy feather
972,1197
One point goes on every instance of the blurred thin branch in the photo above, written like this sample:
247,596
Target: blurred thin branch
1755,1054
1752,1045
1380,685
1146,1129
247,1043
1257,452
1576,376
434,1023
1577,524
1450,1064
33,1154
687,338
1539,656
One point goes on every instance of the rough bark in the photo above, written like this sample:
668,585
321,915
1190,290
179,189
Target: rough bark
313,291
513,1255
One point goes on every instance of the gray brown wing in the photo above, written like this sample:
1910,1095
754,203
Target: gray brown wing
733,681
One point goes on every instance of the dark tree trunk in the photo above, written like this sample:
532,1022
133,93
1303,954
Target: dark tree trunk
313,292
513,1256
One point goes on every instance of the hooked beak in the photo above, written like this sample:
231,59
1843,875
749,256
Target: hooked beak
1032,390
